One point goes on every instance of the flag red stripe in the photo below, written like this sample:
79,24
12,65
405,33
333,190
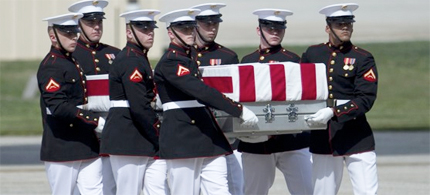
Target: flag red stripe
222,84
97,87
309,83
247,84
277,79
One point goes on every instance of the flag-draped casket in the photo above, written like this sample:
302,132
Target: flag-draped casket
98,93
280,94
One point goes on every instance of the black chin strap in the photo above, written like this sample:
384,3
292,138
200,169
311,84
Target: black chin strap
264,38
58,40
180,39
206,42
335,35
135,37
83,32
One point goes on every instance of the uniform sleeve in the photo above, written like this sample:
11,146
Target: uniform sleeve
55,87
304,58
366,85
186,78
135,81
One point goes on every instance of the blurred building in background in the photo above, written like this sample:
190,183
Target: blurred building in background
23,34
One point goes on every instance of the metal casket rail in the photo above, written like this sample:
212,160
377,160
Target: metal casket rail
274,118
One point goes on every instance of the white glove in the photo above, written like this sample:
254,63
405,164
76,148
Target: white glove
158,104
322,116
254,138
248,117
100,126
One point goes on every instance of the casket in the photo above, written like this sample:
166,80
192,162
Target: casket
98,93
280,94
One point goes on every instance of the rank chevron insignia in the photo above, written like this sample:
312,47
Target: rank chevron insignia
182,71
136,76
52,86
370,76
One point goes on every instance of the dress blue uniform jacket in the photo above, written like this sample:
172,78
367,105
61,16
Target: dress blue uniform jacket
68,132
189,132
214,54
131,130
352,75
277,143
95,58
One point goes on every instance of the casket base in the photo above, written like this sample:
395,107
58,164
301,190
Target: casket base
277,117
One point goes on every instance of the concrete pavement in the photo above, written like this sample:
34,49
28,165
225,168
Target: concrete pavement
403,166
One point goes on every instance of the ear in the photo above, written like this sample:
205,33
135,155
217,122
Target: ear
327,29
258,31
170,34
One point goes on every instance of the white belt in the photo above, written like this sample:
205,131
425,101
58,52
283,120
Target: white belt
119,103
341,102
181,104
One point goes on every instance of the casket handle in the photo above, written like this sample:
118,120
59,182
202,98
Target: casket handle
292,113
269,116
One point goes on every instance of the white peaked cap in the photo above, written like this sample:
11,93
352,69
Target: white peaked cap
64,20
181,15
88,6
277,15
337,10
140,15
209,9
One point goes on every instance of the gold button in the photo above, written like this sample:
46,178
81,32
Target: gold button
331,96
67,54
332,62
202,80
158,125
87,117
345,108
85,90
200,55
330,78
341,47
81,114
261,57
206,48
95,119
73,80
338,110
88,45
195,74
198,63
86,99
174,51
330,87
352,105
81,73
334,54
193,121
239,105
52,56
71,125
98,69
96,60
83,82
346,74
267,50
149,77
93,52
331,70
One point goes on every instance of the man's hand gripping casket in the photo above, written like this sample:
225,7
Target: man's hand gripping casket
322,116
249,120
248,117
